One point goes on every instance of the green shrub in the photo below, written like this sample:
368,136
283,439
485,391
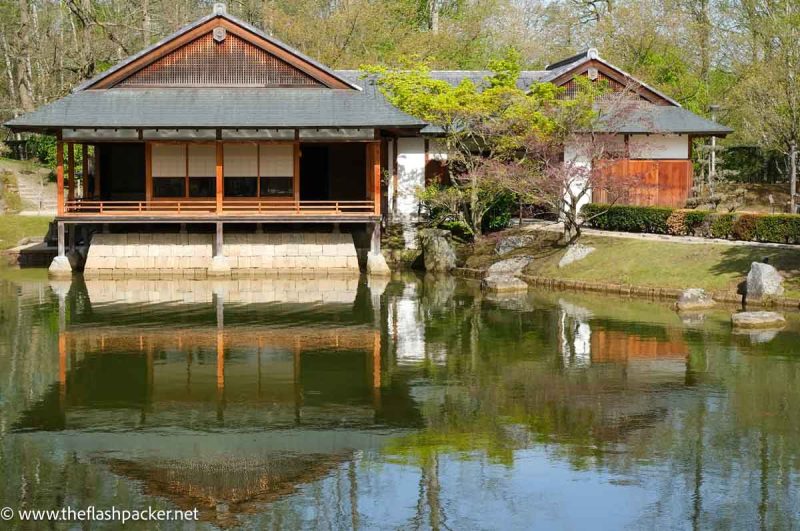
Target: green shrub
781,228
697,221
629,218
498,216
722,226
744,227
774,228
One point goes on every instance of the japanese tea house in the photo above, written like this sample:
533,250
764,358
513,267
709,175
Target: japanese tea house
221,124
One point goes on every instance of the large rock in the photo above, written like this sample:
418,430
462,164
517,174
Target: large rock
752,320
763,280
503,284
437,253
501,277
575,253
694,299
511,243
509,266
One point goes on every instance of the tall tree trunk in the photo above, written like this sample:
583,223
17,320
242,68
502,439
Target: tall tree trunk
793,177
24,85
145,22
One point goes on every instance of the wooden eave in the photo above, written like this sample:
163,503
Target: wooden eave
204,28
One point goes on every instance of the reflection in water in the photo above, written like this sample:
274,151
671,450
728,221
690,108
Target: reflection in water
347,403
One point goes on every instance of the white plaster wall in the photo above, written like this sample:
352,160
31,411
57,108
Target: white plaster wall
410,178
410,174
659,146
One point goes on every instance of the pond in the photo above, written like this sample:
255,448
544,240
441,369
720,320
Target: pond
406,403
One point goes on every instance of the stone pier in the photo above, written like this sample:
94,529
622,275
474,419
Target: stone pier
191,255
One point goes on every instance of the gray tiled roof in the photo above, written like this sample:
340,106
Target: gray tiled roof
650,118
216,108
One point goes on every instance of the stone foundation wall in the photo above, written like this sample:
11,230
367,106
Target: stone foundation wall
189,255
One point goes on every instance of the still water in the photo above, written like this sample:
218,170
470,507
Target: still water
410,403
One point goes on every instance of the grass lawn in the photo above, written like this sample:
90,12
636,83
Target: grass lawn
14,228
667,265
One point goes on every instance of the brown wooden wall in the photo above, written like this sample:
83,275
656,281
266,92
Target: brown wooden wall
663,182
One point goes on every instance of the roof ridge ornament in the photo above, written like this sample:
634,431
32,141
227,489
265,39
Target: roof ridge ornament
220,8
592,53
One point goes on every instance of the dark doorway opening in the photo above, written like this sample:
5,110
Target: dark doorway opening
122,171
314,174
333,172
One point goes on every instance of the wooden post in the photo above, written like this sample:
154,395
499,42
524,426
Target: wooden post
96,152
60,177
71,171
220,171
148,172
84,169
374,175
296,176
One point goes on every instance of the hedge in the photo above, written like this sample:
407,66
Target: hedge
774,228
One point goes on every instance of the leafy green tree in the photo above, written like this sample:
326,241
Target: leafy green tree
482,127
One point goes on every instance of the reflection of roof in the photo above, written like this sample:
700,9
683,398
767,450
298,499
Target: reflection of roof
243,483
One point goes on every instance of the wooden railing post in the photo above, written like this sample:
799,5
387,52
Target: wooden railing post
219,175
148,172
84,170
71,171
374,175
60,177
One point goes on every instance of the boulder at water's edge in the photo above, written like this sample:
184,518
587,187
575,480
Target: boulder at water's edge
763,280
437,253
